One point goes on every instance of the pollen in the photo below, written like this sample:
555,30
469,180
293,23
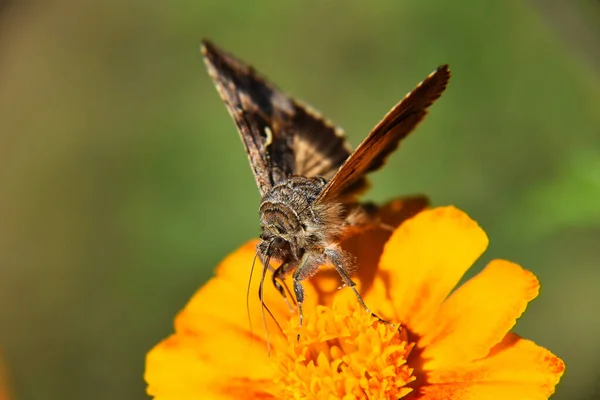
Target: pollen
343,352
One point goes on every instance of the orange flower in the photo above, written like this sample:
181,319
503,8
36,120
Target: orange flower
442,346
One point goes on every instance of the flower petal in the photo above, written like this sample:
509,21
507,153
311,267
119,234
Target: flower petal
425,258
177,369
366,244
202,359
224,297
478,315
514,367
487,391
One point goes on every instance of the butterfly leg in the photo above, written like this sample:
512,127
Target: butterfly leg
339,260
299,274
278,279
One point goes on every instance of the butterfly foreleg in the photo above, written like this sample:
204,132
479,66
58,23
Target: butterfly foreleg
278,279
302,271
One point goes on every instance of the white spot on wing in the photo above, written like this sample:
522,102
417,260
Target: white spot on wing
269,134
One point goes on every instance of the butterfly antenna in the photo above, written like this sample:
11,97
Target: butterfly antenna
266,308
261,295
248,293
274,319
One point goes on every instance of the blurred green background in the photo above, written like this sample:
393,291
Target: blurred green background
123,180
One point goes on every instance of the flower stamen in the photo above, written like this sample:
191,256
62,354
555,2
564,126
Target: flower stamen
345,353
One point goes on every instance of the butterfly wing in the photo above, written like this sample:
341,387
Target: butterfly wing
282,136
384,138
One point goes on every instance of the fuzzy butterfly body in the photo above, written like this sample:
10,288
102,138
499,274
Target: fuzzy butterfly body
307,175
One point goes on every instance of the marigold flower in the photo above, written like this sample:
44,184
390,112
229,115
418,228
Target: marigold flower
442,346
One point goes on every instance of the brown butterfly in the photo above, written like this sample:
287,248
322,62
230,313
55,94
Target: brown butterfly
307,175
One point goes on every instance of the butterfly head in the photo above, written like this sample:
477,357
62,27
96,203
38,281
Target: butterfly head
277,236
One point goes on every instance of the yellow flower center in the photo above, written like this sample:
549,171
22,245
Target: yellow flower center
344,353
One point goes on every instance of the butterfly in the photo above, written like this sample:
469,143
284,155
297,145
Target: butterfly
307,175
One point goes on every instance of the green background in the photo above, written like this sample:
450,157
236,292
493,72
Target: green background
123,180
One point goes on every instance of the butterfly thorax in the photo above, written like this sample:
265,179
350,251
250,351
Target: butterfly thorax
291,222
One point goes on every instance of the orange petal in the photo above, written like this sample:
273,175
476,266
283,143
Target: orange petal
179,369
425,258
478,315
367,243
224,297
515,368
488,391
213,334
378,300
